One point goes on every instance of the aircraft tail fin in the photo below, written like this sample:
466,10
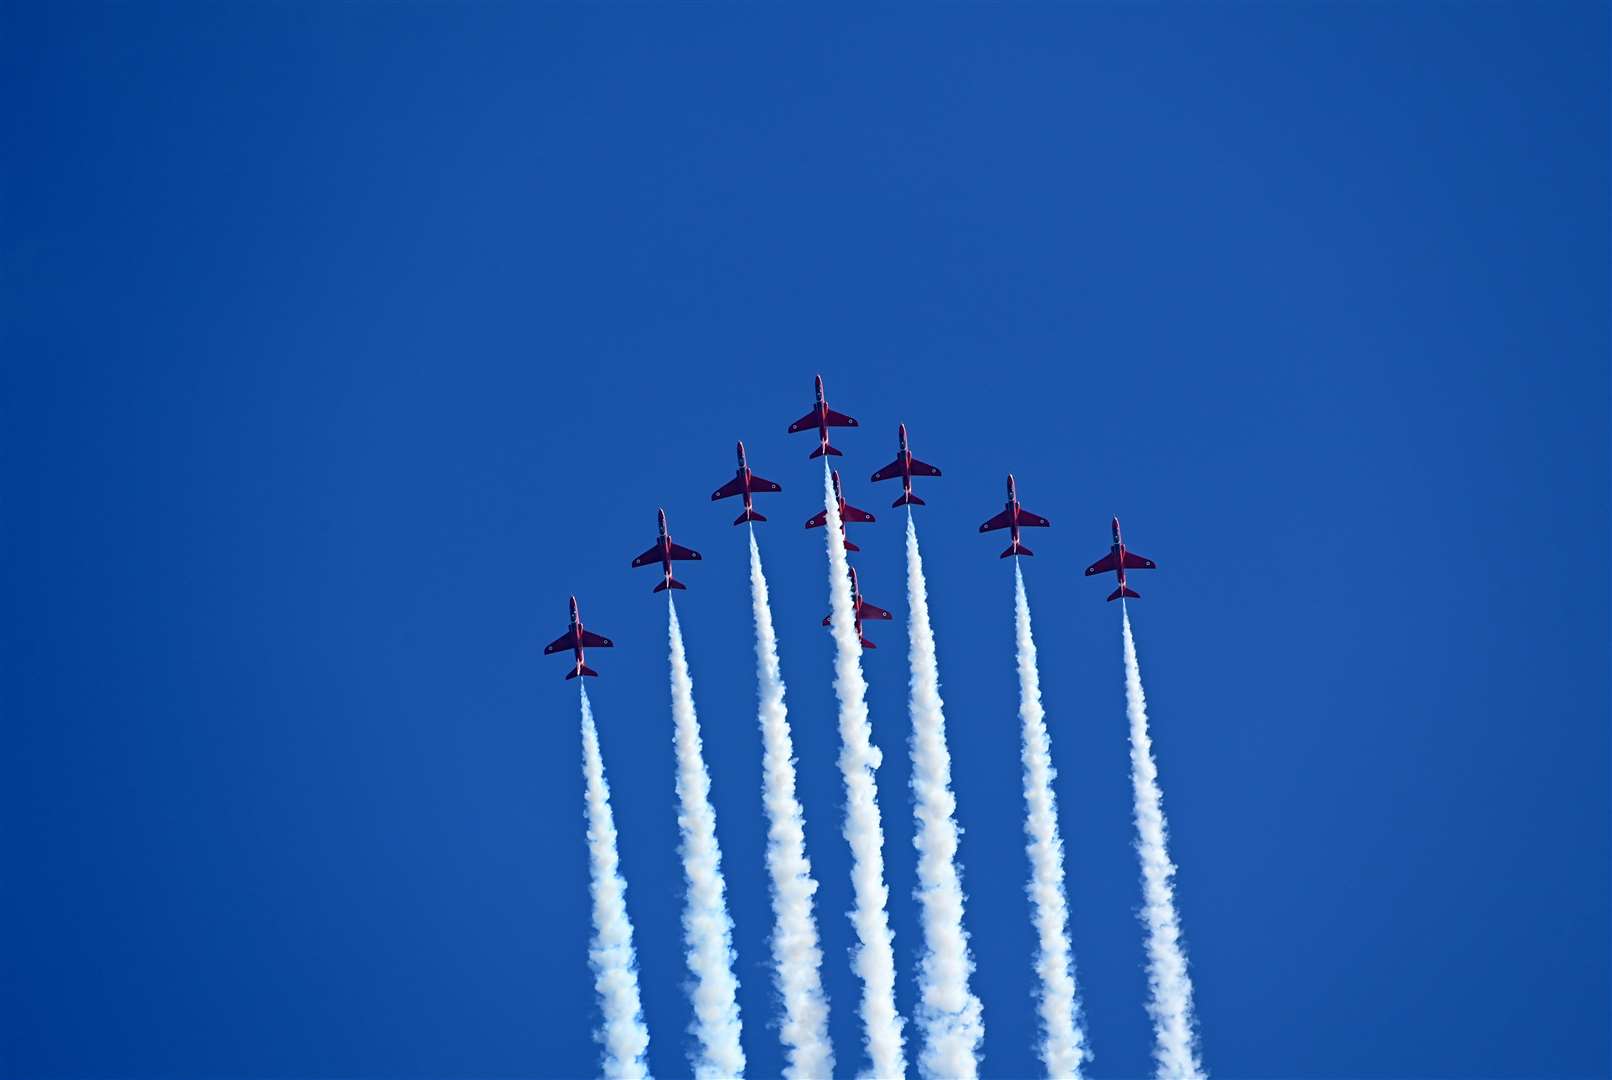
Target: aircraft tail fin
669,583
908,498
824,450
1016,548
1124,591
748,515
581,669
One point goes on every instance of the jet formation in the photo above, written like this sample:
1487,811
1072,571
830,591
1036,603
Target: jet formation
747,484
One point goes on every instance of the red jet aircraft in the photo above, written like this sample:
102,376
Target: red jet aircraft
576,639
860,609
822,418
905,466
1119,560
664,552
847,513
1012,517
744,483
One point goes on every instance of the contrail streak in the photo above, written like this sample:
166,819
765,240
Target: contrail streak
796,953
615,968
707,930
1063,1043
873,957
948,1010
1169,987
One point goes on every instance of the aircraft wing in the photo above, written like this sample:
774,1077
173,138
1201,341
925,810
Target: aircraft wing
678,551
729,489
1036,520
923,468
851,513
650,556
805,422
1000,521
1133,561
596,641
872,611
837,419
817,520
1103,565
758,484
889,472
559,644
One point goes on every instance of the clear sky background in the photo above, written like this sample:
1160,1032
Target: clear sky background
343,343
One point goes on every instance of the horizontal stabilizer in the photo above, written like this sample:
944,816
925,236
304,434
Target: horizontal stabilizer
1016,548
850,545
866,644
909,499
748,515
581,669
822,450
1123,591
669,583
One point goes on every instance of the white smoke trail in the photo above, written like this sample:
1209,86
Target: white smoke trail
948,1010
707,930
615,969
1169,986
874,958
1063,1043
796,954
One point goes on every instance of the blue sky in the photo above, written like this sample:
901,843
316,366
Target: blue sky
346,342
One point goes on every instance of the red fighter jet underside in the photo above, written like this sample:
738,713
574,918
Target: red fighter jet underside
848,513
665,552
577,639
1120,560
745,483
1014,517
860,609
822,418
905,466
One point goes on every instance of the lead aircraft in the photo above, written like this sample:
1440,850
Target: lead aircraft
822,418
